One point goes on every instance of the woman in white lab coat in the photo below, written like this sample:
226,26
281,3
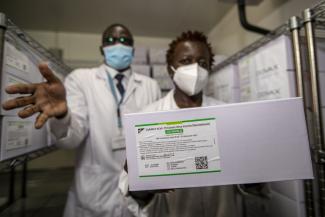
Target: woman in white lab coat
85,114
189,61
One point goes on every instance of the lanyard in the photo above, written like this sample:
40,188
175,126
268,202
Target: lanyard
118,103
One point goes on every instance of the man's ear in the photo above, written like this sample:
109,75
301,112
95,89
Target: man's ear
101,50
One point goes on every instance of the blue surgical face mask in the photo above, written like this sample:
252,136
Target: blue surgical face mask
118,56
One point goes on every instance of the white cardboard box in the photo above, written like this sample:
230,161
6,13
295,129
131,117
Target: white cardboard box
160,73
18,137
7,80
157,55
18,67
224,84
256,142
267,73
140,55
20,64
142,69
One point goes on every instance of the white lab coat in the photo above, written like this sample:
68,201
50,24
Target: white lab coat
192,202
90,126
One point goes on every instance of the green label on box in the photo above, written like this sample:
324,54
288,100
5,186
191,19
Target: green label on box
173,131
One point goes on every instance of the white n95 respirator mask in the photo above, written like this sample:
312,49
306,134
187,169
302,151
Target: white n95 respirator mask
191,79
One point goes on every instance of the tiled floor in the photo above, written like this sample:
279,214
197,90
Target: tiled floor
46,194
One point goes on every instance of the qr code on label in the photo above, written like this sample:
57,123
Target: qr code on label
201,162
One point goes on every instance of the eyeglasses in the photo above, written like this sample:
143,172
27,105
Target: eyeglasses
123,40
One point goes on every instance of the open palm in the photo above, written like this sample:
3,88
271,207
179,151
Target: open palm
47,98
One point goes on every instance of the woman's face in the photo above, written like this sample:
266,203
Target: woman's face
190,52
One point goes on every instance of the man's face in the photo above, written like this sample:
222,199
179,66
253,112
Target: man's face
117,34
190,52
117,47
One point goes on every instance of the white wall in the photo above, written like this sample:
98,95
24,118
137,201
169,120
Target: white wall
228,37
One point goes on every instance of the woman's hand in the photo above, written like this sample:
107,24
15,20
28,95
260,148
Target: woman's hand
144,197
47,98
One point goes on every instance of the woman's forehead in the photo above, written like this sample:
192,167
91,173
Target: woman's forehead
191,47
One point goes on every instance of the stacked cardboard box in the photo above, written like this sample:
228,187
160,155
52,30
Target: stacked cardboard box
140,56
157,59
224,84
160,73
157,56
267,73
142,69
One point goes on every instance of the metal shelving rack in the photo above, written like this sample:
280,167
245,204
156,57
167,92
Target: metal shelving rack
295,28
57,64
29,44
281,30
20,160
6,25
303,31
313,22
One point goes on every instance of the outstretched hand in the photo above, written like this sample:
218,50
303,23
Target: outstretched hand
46,98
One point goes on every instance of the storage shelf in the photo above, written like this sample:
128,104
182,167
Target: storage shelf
17,161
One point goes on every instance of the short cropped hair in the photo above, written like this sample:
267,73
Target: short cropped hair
188,36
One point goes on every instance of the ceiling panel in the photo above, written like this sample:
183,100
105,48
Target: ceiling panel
164,18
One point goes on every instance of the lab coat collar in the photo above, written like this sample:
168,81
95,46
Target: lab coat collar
134,81
171,100
114,72
103,69
173,105
101,72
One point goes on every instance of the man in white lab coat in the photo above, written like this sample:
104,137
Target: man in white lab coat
189,60
85,113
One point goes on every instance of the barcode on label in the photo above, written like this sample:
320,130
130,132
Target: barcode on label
201,162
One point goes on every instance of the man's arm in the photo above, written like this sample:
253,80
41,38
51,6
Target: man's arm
71,129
